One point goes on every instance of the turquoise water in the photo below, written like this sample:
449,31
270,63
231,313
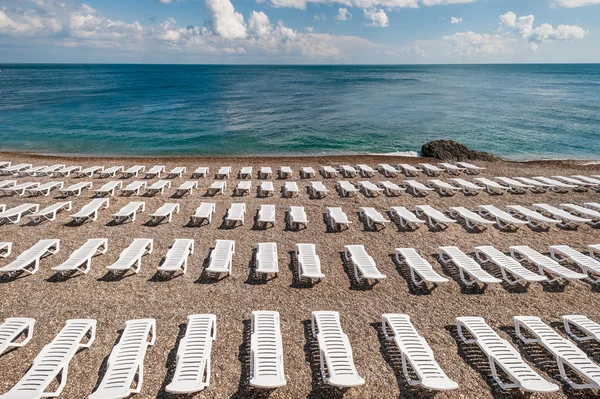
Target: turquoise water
517,111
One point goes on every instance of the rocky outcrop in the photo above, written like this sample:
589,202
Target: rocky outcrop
449,150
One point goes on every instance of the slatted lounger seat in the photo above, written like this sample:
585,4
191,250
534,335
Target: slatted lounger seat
204,212
579,184
435,218
224,172
345,188
266,216
369,189
29,261
556,185
417,188
243,187
131,257
15,168
76,189
364,265
129,212
235,214
589,328
19,189
502,354
111,172
48,170
431,170
109,188
192,372
592,205
177,257
507,265
504,220
416,354
404,217
297,217
290,189
491,186
158,187
90,210
566,219
472,219
49,213
365,170
133,171
177,171
592,183
81,258
418,266
266,188
387,170
66,171
245,173
309,263
221,257
53,361
133,188
266,351
154,172
32,171
470,168
265,172
127,360
165,212
5,249
443,187
12,329
201,171
328,172
545,264
588,265
451,168
7,183
467,187
266,258
348,171
4,164
372,218
90,171
409,170
335,352
14,215
534,219
186,187
566,353
45,189
536,186
337,219
285,172
391,189
466,265
318,189
583,212
217,187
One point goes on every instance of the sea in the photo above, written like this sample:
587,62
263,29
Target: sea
519,112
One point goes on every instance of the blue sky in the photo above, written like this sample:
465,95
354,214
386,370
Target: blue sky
300,31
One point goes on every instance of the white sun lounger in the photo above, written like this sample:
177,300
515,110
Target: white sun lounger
451,168
345,188
556,185
502,354
204,212
129,212
443,187
504,219
567,354
14,215
318,189
536,186
431,170
177,171
266,188
588,265
29,260
7,183
266,258
192,372
590,181
418,265
285,172
90,171
176,258
409,170
81,258
297,217
53,361
364,265
245,173
534,219
369,189
235,214
365,170
583,212
583,324
49,213
48,170
417,188
309,263
218,187
290,189
31,171
472,219
12,329
127,360
387,170
435,218
221,257
466,264
566,219
416,354
4,164
243,187
201,171
186,187
19,189
404,217
579,185
467,187
76,189
337,218
90,210
470,168
545,264
45,189
348,171
109,188
372,218
266,216
154,172
491,186
265,172
328,172
158,187
111,172
507,265
266,351
592,205
66,171
7,170
133,188
131,257
390,189
133,171
335,352
5,249
224,172
165,212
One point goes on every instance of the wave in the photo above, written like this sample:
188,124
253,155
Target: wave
412,154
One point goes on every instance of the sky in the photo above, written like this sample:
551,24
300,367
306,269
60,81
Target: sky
299,31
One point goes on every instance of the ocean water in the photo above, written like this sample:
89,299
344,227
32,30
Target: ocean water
516,111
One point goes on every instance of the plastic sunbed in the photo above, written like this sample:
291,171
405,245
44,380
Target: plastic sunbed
201,171
443,187
328,172
431,170
165,212
131,257
177,171
417,188
470,168
186,187
409,170
221,257
109,188
466,266
404,217
491,186
235,214
545,264
154,172
534,219
391,189
508,266
158,187
133,188
245,173
365,170
218,187
418,266
566,219
176,258
297,217
111,172
588,265
76,189
81,258
345,188
90,210
337,218
265,172
364,265
266,351
204,212
266,258
435,218
49,213
129,212
309,263
472,219
504,220
369,189
372,217
14,215
14,327
133,171
29,260
318,189
243,187
266,216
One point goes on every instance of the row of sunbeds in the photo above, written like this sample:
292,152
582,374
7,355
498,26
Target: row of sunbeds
193,366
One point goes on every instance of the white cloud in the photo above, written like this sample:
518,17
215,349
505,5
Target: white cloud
412,51
388,4
343,15
226,22
454,20
376,17
575,3
309,29
320,17
471,43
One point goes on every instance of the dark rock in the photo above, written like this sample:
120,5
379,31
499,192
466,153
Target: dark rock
449,150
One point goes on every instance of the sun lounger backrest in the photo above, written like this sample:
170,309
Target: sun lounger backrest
12,328
266,351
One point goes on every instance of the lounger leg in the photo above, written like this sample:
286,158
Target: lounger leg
321,360
573,336
62,378
461,335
